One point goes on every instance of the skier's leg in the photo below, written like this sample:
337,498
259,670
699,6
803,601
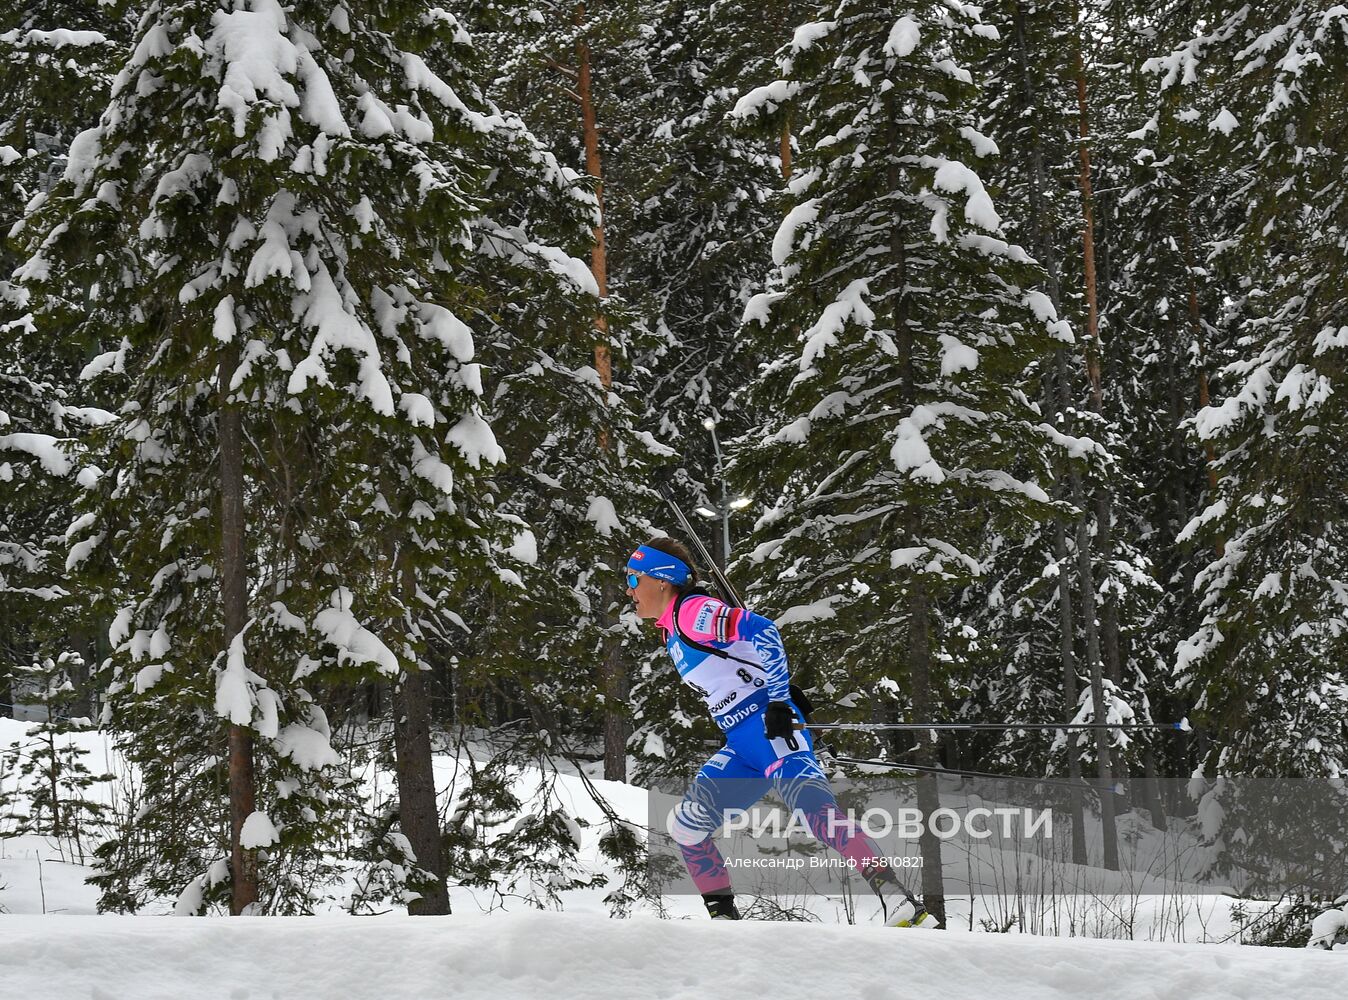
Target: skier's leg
804,787
725,782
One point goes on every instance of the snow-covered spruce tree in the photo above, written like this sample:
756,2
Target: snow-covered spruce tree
692,210
531,660
1043,616
52,772
547,56
55,69
272,216
1169,313
898,329
1262,663
1027,611
691,206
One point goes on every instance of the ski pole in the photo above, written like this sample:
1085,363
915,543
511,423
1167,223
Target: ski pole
1116,788
729,592
1180,727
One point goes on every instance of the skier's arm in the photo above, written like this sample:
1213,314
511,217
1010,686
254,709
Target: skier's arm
768,642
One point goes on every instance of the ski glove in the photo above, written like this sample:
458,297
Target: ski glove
779,722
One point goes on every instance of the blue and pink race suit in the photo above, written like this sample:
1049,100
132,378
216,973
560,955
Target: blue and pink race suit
737,688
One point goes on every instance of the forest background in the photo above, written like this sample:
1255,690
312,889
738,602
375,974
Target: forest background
343,347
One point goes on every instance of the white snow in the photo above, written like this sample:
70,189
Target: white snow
1326,926
1225,122
72,954
904,37
419,76
956,356
955,177
81,550
796,432
58,39
982,144
257,57
45,448
908,556
524,955
308,748
234,698
224,328
524,548
355,643
474,439
438,323
815,611
562,264
602,514
759,308
335,328
784,242
764,99
808,34
85,150
420,411
849,307
1042,307
910,453
258,831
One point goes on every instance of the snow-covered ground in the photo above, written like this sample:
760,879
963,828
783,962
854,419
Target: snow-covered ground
565,956
53,947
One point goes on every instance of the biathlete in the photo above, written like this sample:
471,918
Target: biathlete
735,661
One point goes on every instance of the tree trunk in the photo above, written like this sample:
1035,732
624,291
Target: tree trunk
1196,325
1060,404
1067,642
234,598
1104,502
417,812
613,671
919,622
928,791
1179,450
1107,641
1086,575
1153,794
6,680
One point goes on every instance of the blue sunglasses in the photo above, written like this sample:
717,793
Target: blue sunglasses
633,579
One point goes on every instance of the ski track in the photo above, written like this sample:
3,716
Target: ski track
565,956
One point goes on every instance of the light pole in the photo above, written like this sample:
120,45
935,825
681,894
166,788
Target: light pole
727,505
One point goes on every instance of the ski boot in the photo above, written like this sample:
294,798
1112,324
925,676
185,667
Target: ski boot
721,905
897,905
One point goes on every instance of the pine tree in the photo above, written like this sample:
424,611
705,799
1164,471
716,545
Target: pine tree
1243,99
1050,586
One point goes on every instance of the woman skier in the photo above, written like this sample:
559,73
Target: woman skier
734,659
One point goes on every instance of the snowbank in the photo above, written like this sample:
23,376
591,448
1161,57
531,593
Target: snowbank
564,956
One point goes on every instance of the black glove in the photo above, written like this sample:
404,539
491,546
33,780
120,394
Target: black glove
780,722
